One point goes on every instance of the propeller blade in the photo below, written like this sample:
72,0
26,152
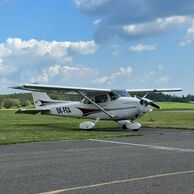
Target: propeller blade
147,101
154,105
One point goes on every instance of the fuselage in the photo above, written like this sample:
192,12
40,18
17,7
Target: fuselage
121,108
97,103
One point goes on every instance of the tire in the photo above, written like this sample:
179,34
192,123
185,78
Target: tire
124,126
88,129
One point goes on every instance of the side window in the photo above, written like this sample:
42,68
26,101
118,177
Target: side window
101,99
86,101
96,99
113,96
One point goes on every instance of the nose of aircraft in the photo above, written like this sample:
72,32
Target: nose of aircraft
147,102
143,107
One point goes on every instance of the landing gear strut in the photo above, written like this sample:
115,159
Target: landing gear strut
88,125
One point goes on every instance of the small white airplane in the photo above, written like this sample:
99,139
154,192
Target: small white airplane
99,104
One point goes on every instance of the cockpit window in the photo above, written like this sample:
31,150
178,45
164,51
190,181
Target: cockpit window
101,99
86,101
113,96
96,99
121,93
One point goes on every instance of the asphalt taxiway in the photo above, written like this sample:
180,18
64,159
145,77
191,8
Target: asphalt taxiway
160,161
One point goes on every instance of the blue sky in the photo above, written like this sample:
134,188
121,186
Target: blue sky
97,43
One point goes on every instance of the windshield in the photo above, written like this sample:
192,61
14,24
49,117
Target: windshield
121,93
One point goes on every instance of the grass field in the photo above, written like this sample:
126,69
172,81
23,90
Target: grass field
20,128
162,119
15,128
176,106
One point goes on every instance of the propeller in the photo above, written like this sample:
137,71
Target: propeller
147,102
154,105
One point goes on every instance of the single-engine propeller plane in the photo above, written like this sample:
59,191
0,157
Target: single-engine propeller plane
98,104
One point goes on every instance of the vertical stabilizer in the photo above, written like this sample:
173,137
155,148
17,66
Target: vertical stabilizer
41,99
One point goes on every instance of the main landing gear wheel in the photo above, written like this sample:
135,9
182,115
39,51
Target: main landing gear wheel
89,129
125,127
135,130
132,125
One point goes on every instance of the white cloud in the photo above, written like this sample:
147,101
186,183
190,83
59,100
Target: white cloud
54,70
189,37
36,59
141,9
135,18
64,73
42,78
53,49
72,70
4,51
97,22
172,21
84,48
34,52
142,47
123,72
139,30
153,27
164,79
5,69
126,71
91,4
101,80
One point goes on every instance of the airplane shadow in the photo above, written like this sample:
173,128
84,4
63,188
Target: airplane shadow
58,127
116,130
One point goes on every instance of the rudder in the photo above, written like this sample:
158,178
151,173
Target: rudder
41,99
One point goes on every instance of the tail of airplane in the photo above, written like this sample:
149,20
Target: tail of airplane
41,99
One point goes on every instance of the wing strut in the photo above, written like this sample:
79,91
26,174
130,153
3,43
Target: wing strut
111,116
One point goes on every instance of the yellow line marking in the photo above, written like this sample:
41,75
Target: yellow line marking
117,182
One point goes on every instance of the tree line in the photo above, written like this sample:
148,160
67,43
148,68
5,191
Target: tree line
18,100
161,97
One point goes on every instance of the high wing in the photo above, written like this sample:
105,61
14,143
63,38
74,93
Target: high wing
155,90
60,89
76,90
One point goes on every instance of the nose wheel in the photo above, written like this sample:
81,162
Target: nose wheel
125,124
135,130
125,127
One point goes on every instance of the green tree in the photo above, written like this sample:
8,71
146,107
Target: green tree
27,103
11,103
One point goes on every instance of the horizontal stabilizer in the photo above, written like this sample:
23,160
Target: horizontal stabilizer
31,111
